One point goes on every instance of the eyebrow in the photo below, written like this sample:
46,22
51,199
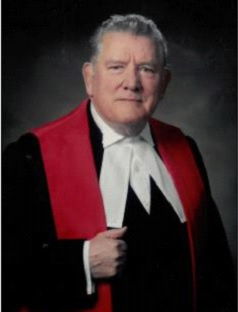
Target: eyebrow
113,61
116,61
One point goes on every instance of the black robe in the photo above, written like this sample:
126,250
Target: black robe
42,272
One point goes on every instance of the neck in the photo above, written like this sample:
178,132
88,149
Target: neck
128,130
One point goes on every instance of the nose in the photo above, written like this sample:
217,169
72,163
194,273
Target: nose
132,80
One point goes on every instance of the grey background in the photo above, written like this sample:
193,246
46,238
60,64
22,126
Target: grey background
44,44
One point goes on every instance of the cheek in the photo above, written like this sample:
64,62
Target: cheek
151,96
151,92
151,86
105,88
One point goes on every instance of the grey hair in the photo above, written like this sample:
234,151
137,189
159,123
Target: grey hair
135,24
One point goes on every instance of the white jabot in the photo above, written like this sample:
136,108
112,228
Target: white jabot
131,160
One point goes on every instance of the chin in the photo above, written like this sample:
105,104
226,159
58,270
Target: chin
131,116
134,120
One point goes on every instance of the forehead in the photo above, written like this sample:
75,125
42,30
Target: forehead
124,44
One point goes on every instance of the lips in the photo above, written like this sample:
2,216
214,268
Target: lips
130,99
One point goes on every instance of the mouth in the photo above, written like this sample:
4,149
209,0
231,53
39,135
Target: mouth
130,100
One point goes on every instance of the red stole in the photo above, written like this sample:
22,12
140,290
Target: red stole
74,190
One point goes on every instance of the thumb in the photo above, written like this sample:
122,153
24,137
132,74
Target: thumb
115,233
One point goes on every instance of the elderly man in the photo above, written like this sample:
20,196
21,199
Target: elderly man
107,209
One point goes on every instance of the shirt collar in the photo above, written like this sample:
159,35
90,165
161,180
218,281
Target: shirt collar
110,136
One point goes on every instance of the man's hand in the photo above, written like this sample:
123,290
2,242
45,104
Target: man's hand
107,253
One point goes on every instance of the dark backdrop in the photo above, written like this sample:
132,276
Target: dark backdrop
44,44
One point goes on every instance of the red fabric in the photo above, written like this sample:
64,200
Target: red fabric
74,190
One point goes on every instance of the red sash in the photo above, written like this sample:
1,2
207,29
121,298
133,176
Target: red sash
74,190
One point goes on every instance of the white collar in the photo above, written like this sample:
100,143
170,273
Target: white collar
116,170
110,136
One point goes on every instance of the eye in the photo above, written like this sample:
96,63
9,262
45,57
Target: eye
147,69
115,68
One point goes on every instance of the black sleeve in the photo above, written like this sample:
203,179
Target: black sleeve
38,270
216,288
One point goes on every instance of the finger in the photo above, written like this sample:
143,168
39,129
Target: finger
122,257
122,245
115,233
122,251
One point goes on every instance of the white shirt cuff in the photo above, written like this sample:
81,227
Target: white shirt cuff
90,286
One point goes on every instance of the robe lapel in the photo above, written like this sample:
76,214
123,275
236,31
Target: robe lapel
178,158
71,176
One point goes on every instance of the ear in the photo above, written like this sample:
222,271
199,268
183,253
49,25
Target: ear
164,82
87,71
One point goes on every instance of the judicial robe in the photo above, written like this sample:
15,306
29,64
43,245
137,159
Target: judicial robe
53,203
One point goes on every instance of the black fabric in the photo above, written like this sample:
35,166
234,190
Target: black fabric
37,269
40,271
158,273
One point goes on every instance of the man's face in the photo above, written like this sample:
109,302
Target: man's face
127,80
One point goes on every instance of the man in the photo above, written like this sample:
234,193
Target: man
107,209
